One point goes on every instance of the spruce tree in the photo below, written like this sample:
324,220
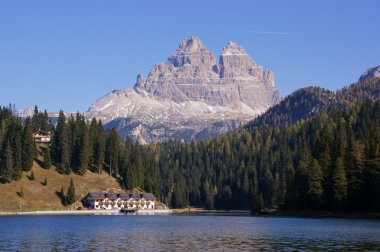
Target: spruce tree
339,185
112,152
7,166
70,197
256,203
60,146
47,158
17,153
28,146
83,145
315,189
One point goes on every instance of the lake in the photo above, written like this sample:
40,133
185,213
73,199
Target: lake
185,233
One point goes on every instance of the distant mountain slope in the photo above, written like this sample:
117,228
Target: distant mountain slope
370,73
302,104
362,90
308,102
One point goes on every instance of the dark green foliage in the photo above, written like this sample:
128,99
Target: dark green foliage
11,146
40,121
311,101
70,196
47,157
60,146
302,104
61,195
316,150
331,162
112,152
366,90
97,145
7,163
28,146
81,146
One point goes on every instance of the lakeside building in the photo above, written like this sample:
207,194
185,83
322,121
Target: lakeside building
111,200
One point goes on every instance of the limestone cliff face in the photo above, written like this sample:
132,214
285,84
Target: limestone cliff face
191,95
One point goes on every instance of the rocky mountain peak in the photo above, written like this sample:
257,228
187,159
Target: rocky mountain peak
191,44
192,52
191,94
233,48
235,63
370,73
140,82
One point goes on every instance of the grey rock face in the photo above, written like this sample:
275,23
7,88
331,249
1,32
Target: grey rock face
190,96
370,73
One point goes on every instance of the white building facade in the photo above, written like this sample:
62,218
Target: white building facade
109,201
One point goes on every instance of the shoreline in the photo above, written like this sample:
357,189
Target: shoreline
81,212
280,213
202,212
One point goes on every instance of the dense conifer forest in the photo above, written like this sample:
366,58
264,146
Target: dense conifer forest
289,158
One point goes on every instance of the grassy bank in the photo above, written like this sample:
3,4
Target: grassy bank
29,195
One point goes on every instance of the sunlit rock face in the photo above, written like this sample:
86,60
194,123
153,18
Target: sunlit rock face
190,96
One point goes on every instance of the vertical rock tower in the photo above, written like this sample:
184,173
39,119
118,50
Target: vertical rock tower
190,94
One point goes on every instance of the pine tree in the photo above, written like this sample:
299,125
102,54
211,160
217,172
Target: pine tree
257,202
47,158
372,171
63,196
99,148
112,152
315,190
32,177
227,197
60,146
354,176
70,197
7,160
17,153
339,185
83,145
28,146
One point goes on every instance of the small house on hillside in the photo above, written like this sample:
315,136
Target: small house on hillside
41,136
111,200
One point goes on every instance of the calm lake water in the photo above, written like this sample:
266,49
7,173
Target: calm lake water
185,233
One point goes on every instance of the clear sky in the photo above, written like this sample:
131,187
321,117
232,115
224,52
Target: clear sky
66,54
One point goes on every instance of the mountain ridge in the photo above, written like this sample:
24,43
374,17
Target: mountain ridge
307,102
190,94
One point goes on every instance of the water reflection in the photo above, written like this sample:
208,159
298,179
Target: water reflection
185,233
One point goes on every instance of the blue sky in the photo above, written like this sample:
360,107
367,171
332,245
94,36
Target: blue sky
66,54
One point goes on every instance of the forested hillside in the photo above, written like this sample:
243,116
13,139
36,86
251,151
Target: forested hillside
308,102
328,160
17,148
331,161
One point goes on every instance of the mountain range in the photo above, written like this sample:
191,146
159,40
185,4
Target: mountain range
191,96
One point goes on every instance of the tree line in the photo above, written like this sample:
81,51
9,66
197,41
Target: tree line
330,162
17,147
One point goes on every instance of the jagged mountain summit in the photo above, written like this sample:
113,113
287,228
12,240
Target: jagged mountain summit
190,96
